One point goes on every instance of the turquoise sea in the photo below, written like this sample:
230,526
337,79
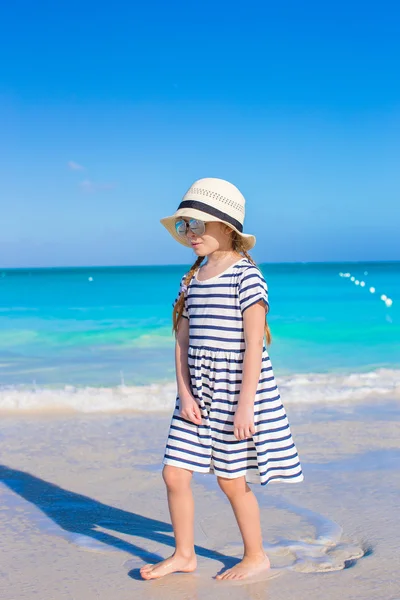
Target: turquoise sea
100,338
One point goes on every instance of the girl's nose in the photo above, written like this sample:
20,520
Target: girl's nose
190,234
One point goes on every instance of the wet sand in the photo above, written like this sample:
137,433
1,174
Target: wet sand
82,507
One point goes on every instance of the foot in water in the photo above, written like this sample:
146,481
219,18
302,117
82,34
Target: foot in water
246,568
173,564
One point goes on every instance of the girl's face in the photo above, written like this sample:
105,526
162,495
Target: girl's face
216,237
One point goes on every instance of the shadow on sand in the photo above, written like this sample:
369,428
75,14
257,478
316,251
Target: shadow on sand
81,515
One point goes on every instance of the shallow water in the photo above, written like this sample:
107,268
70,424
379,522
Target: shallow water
100,339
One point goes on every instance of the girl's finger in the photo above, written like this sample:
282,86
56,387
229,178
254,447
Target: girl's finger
195,419
197,413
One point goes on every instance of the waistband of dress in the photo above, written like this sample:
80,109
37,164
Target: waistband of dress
209,350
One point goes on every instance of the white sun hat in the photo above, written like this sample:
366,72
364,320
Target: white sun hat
211,199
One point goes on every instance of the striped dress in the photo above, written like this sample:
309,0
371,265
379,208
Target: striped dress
215,310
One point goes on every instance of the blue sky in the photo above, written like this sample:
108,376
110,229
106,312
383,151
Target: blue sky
108,112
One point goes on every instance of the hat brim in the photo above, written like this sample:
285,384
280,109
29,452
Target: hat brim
169,223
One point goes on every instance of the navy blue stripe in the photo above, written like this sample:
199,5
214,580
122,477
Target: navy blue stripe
206,436
267,399
238,470
251,275
235,308
284,449
224,370
235,392
186,462
190,442
218,327
223,391
191,452
230,440
211,370
216,370
233,406
254,299
237,450
230,422
237,381
270,431
203,284
251,287
235,461
235,402
189,422
220,411
208,316
274,420
261,474
246,449
216,339
280,477
228,461
268,410
277,459
282,468
232,403
238,371
228,296
274,440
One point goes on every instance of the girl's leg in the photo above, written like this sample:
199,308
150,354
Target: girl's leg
181,508
247,513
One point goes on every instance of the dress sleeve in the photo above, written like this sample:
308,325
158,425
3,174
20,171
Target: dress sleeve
252,288
182,288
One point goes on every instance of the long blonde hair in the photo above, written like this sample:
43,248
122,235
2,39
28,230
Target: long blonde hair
237,246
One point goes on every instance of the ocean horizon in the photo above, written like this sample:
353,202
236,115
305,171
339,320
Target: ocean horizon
100,338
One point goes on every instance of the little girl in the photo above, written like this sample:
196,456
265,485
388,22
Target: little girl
229,418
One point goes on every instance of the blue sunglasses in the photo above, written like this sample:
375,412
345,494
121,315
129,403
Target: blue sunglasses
195,225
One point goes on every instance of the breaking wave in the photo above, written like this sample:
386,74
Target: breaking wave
309,388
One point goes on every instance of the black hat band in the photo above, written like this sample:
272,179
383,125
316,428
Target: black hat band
210,210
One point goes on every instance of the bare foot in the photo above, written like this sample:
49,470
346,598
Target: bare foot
247,567
172,564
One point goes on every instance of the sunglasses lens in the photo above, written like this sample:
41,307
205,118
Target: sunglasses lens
197,227
180,227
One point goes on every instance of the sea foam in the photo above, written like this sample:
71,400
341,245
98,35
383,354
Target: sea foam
298,388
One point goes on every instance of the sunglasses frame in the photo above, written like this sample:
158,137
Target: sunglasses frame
189,226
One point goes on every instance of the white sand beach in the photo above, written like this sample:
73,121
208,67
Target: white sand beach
83,507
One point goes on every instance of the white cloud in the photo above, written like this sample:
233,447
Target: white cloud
74,166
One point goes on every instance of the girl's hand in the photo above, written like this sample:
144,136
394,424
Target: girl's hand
190,410
243,423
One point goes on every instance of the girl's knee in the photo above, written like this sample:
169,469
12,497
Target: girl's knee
176,478
233,487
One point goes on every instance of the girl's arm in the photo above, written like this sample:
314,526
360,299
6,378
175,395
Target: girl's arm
253,325
189,409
